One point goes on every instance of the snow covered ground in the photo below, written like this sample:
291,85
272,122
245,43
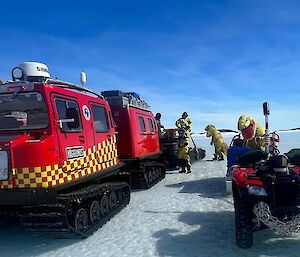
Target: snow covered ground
185,215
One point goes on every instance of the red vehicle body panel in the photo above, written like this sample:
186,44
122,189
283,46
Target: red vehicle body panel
132,141
295,169
38,158
244,177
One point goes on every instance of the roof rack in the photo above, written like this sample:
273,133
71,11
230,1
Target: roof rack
117,98
68,85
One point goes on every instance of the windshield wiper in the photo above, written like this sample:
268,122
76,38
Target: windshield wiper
12,96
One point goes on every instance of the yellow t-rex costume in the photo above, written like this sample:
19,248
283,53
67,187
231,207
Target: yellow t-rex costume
218,141
252,132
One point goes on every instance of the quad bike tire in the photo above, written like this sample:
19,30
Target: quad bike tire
243,223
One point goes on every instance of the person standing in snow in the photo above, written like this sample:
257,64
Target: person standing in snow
184,125
184,160
158,124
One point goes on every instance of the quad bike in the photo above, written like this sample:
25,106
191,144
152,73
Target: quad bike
266,192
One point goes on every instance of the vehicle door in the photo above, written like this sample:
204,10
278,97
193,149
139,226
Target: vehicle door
72,143
152,136
104,134
142,134
153,133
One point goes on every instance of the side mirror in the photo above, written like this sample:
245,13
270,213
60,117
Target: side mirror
266,108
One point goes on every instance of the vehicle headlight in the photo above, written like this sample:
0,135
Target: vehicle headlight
4,165
17,73
256,190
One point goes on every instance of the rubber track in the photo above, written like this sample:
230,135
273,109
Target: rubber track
53,220
140,182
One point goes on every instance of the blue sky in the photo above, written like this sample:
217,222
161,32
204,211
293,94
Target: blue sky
214,59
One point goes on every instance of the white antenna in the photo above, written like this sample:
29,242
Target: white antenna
82,78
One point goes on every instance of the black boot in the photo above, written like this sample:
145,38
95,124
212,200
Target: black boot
188,168
221,157
182,170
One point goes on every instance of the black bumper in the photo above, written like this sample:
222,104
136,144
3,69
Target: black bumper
21,197
278,206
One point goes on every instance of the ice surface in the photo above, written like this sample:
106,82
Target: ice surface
185,215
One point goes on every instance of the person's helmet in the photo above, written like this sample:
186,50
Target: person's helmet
184,115
243,122
247,126
158,115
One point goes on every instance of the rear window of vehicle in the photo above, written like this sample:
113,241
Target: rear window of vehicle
142,124
100,119
151,127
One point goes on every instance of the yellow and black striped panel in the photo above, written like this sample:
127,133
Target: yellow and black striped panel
98,157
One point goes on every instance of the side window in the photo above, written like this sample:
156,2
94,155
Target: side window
100,119
112,122
142,124
155,125
151,127
68,115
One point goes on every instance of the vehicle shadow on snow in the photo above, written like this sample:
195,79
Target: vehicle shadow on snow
207,188
15,241
207,235
213,234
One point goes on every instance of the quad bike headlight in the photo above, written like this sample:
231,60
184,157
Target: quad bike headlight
256,190
4,165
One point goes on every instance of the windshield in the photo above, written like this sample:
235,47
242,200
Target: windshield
23,111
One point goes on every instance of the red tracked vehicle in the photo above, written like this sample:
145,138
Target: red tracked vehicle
59,166
137,137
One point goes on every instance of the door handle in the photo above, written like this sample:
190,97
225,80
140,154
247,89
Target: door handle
81,139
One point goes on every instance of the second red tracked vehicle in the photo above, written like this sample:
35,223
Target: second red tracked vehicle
137,136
